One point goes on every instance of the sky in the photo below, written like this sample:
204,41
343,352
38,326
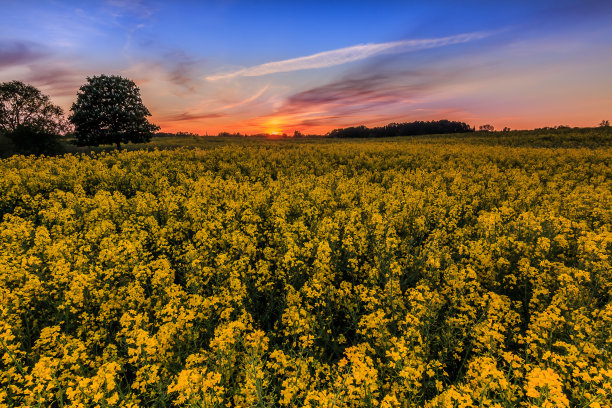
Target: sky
312,66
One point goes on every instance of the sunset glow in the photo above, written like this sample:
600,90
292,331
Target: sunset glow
240,66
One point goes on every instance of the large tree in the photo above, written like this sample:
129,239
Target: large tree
23,105
109,110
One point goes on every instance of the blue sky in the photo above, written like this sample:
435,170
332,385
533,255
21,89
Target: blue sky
313,66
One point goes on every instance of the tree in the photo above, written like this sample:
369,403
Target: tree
109,110
29,122
605,123
487,128
404,129
24,105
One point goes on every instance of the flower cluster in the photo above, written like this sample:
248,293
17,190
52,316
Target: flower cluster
314,274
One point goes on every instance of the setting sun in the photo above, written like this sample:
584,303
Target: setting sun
273,127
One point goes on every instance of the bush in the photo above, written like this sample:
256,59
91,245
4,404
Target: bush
30,140
6,146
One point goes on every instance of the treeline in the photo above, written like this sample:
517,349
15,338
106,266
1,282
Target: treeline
180,134
404,129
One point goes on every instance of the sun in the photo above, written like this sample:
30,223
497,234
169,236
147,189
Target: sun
274,127
274,131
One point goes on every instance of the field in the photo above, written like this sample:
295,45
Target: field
442,271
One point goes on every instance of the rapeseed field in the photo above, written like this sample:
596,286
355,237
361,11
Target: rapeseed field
387,273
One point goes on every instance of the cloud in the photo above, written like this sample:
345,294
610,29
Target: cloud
34,64
181,74
204,111
175,72
57,79
372,89
348,54
137,8
361,92
180,69
374,94
14,53
248,100
185,116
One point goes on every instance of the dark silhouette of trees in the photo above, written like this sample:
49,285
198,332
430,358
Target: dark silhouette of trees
403,129
29,122
31,140
109,110
25,105
605,123
354,132
486,128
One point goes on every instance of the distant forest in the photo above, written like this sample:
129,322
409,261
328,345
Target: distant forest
404,129
392,129
433,127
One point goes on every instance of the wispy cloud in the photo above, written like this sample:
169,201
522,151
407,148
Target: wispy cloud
175,72
347,54
137,8
187,116
56,78
246,101
357,92
19,52
35,64
374,94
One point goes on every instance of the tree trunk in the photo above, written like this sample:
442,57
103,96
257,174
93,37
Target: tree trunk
119,146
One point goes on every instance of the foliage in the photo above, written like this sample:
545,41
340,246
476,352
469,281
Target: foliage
30,140
486,128
6,146
25,105
29,122
396,273
403,129
109,110
550,138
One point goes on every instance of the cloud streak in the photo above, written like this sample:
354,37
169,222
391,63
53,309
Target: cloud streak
185,116
246,101
138,8
354,91
19,52
347,54
374,94
56,78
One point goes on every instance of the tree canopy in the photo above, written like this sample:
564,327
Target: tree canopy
109,110
23,105
403,129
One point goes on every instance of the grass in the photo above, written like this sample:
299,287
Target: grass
564,138
549,138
